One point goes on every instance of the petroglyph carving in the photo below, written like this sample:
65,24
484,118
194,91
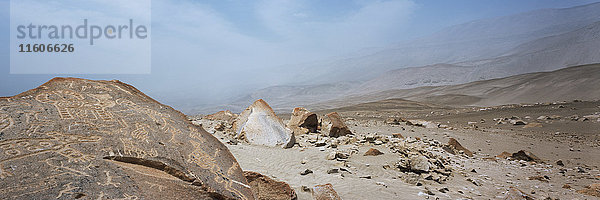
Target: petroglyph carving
61,129
129,148
67,190
109,180
5,122
155,186
141,132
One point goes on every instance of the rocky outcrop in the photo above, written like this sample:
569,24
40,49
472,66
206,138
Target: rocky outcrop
259,125
334,125
303,121
75,138
265,188
225,115
325,192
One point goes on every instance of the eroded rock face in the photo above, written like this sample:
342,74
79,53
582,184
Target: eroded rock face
336,126
325,192
259,125
303,121
265,188
75,138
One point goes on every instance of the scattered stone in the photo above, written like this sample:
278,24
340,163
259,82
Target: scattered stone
225,115
517,122
516,194
381,183
392,121
444,190
533,125
325,192
526,156
259,125
306,172
504,155
373,152
422,123
566,186
332,171
539,178
543,117
303,121
305,188
336,127
474,181
454,147
560,163
397,135
265,188
592,190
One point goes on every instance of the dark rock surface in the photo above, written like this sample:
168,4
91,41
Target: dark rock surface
74,138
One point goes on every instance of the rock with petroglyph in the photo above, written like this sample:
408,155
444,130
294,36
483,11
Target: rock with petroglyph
75,138
259,125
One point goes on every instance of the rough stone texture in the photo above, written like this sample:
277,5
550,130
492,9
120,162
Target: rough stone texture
225,115
516,194
303,121
592,190
454,147
259,125
336,126
373,152
325,192
75,138
265,188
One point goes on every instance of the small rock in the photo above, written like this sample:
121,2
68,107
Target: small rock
332,171
325,192
373,152
305,172
560,163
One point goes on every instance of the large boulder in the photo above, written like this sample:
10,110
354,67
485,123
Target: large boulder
265,188
335,126
75,138
259,125
303,121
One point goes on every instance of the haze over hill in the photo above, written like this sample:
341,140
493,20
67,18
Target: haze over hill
567,37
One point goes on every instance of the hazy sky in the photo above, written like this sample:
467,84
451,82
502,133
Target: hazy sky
204,51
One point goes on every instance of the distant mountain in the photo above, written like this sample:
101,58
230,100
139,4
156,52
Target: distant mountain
580,82
476,40
574,48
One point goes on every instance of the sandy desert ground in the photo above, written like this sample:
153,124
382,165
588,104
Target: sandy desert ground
562,136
